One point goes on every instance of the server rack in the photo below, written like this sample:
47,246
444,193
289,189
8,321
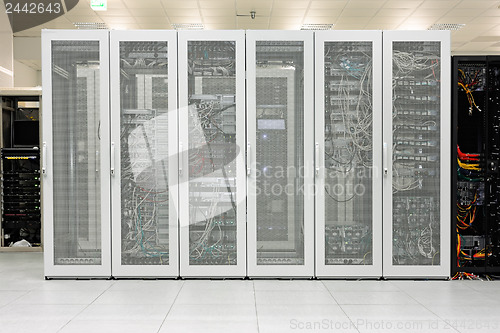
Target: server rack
20,168
416,154
21,218
476,152
348,130
144,155
75,153
212,210
280,104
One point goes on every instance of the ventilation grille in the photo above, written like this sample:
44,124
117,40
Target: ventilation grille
327,26
188,26
446,26
90,25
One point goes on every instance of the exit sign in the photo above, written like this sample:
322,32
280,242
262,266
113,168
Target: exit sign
99,4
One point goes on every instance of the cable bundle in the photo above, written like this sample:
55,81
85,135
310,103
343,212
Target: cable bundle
469,85
464,159
466,212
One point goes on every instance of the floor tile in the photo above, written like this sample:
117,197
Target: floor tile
40,312
232,312
294,285
244,285
103,326
76,285
342,285
7,297
220,296
137,297
443,296
388,311
290,311
112,312
209,326
293,297
58,297
27,325
149,285
372,297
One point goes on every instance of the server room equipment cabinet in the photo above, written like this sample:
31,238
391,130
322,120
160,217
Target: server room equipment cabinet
144,143
20,222
475,166
416,156
348,153
212,153
280,126
75,153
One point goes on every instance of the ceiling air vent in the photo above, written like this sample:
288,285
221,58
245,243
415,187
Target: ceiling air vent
327,26
188,26
90,25
446,26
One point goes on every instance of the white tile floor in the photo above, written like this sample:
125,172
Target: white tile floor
28,303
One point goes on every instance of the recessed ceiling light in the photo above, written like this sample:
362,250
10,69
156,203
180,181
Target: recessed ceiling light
313,26
188,26
446,26
90,25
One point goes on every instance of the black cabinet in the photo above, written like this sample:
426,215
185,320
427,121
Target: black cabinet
476,172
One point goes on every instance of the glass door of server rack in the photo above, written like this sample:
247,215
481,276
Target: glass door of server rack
416,154
280,122
348,153
75,159
211,167
144,153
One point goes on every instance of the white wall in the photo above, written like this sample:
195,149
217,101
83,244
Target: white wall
6,50
25,76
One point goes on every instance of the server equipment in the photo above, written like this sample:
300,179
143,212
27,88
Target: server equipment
348,153
21,218
280,153
172,160
144,153
211,167
476,175
75,147
416,154
20,224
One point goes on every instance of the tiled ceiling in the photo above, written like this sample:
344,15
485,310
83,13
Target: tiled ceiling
481,35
